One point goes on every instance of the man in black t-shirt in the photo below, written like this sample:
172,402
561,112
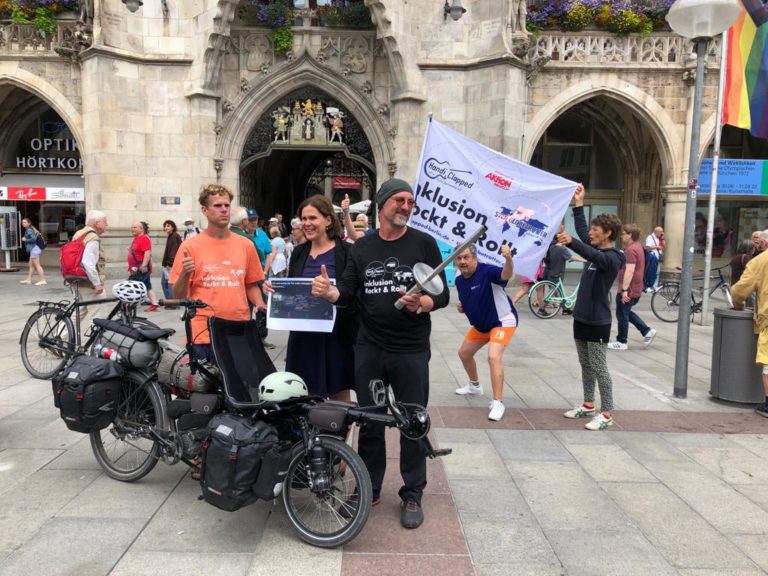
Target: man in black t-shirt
392,345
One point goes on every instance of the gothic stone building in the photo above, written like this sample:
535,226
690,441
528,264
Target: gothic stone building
131,112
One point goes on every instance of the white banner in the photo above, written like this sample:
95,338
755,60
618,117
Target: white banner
462,185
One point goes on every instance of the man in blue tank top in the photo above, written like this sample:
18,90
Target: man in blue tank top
493,317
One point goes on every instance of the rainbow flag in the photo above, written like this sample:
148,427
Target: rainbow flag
746,97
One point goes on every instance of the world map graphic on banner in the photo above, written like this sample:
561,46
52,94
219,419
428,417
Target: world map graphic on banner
462,185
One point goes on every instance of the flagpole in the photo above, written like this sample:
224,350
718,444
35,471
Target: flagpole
713,187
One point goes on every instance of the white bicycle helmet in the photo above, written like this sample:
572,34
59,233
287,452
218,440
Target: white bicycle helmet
280,386
130,291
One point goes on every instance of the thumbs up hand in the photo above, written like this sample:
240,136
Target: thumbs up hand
321,284
187,262
345,203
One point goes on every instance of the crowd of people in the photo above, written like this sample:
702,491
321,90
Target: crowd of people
364,272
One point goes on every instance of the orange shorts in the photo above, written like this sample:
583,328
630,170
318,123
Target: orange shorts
501,335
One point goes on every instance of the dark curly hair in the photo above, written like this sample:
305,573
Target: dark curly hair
608,222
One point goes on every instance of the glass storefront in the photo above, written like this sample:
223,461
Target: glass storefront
42,176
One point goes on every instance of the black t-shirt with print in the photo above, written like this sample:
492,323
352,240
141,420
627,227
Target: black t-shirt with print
374,274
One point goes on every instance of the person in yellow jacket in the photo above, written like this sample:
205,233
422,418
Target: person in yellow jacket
755,279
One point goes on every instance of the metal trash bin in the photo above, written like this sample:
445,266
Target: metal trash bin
735,376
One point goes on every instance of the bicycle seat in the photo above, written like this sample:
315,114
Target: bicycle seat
241,358
156,333
79,280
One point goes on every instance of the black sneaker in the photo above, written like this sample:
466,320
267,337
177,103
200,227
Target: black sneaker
411,514
567,312
762,410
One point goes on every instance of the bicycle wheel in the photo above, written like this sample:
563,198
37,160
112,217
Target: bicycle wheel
335,515
665,302
551,300
126,450
47,341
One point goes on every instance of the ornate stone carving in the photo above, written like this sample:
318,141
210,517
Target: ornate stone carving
392,132
392,168
355,53
256,52
218,43
227,106
645,196
537,63
367,87
383,110
244,85
218,165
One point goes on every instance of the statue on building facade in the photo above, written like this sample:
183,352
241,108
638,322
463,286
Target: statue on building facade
518,12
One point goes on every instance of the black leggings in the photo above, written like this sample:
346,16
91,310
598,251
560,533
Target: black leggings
408,374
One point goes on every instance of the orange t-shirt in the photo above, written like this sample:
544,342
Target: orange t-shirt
223,269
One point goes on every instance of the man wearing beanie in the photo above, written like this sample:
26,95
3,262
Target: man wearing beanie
392,345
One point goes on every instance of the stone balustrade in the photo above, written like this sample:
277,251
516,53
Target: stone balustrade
586,49
26,40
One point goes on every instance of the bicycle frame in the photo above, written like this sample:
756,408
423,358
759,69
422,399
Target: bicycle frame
568,300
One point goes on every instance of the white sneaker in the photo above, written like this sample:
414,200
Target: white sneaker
599,422
648,338
41,283
497,410
470,390
580,412
617,345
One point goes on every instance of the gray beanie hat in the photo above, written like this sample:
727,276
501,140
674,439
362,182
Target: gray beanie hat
390,188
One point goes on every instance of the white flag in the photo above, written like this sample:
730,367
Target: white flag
462,185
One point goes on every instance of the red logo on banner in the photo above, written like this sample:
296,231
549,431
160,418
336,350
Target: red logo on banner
26,193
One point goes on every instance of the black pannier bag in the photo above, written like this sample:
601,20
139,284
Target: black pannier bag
233,456
86,392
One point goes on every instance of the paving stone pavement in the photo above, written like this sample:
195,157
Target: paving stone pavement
678,486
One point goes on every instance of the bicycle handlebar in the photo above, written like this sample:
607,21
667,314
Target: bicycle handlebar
184,303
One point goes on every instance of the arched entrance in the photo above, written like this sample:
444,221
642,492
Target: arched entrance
305,143
605,145
40,166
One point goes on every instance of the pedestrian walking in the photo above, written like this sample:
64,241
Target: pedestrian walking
392,345
34,244
630,288
592,312
483,300
172,244
140,260
654,250
93,261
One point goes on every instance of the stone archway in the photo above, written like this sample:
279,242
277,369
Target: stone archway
48,94
237,123
665,133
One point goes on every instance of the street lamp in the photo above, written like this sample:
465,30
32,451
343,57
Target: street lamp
698,20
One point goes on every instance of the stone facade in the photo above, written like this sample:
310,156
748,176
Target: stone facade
161,104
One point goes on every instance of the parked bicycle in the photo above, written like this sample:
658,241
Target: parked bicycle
547,298
665,302
325,486
52,333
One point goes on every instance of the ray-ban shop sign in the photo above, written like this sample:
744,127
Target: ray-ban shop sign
39,194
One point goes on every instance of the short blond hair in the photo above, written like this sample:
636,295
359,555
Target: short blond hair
209,190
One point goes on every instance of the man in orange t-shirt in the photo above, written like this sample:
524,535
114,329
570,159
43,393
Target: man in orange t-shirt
218,267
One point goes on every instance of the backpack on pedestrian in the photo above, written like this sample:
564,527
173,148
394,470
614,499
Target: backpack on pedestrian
71,257
40,241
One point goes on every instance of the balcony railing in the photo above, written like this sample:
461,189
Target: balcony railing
586,49
27,40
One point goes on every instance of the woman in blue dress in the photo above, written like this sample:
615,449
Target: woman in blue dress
324,360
